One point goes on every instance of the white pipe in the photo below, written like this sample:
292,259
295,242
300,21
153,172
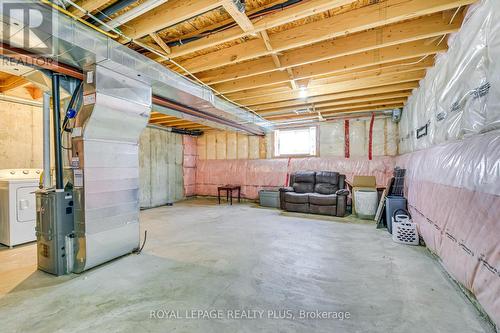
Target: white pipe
46,140
133,13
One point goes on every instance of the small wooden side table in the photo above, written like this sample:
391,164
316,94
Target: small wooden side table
229,192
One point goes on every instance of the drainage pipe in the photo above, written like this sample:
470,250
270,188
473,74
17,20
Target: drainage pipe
56,116
46,140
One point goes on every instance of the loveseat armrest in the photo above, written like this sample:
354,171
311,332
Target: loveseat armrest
341,202
283,190
342,192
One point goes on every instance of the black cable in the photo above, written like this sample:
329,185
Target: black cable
74,97
280,6
143,242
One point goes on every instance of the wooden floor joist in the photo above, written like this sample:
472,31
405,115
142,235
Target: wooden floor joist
273,20
318,106
337,65
335,88
339,25
290,60
408,86
421,28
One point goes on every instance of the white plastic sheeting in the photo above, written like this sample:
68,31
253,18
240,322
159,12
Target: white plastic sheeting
332,138
189,164
258,174
460,95
160,167
453,193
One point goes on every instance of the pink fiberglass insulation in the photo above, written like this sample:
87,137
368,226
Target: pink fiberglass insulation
189,165
255,175
453,194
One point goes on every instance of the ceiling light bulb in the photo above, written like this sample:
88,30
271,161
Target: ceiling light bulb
303,92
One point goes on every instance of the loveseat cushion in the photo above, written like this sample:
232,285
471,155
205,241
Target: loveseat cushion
293,197
303,187
325,188
326,182
323,210
304,177
323,199
300,208
327,177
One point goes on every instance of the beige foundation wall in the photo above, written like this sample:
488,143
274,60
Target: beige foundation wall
21,136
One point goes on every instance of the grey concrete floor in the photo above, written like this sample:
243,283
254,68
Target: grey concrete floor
203,257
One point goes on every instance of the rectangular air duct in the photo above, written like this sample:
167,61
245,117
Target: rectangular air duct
116,109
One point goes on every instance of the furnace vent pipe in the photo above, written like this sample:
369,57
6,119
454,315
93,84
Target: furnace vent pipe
57,131
46,140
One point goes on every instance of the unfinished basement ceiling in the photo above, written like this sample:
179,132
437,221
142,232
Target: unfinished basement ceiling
294,60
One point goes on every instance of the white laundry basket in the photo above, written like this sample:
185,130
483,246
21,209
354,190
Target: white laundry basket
404,231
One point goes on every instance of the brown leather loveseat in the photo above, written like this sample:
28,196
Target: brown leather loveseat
313,192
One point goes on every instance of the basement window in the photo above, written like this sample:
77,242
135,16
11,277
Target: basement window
295,142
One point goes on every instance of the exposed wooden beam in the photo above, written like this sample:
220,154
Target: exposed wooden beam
35,93
353,75
166,119
13,82
337,65
421,28
166,15
326,112
331,115
345,106
172,124
379,97
88,5
194,126
358,73
276,59
373,70
267,22
246,25
239,17
336,26
160,42
338,96
162,116
394,66
216,25
351,95
336,88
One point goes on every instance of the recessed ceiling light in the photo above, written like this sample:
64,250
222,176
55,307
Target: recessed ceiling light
303,92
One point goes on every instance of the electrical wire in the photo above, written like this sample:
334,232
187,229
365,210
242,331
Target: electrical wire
148,48
455,14
263,12
79,19
143,242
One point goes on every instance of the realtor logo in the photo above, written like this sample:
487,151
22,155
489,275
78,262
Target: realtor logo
28,26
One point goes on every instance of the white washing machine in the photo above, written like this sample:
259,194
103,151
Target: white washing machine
18,205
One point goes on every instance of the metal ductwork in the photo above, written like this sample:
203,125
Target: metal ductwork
115,110
77,46
240,4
